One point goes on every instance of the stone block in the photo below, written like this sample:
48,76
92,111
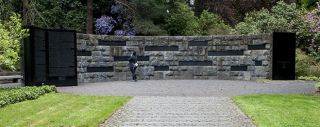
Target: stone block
224,75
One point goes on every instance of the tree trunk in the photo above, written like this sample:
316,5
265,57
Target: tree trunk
89,29
25,4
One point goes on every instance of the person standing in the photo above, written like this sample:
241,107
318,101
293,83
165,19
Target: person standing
133,65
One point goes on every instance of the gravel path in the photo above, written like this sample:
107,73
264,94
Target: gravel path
216,88
179,111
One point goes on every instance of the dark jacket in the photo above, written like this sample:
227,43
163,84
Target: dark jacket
132,60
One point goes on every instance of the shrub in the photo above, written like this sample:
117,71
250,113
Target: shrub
313,19
11,32
281,18
212,24
19,94
306,65
310,78
318,86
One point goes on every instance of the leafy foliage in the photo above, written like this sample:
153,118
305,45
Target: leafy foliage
307,4
19,94
234,11
150,16
282,18
11,33
211,23
306,65
183,22
62,14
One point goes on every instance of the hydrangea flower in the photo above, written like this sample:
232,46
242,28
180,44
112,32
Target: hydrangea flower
119,32
116,23
116,9
104,25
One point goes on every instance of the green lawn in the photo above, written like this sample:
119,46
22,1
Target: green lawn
57,110
281,110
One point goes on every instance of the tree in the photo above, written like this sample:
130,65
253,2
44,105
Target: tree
307,4
89,28
150,16
183,21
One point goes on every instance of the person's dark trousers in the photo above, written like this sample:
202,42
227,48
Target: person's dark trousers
133,72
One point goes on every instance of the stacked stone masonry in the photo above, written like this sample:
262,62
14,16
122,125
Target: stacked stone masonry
231,57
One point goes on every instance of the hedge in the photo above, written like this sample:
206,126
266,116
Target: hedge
19,94
310,78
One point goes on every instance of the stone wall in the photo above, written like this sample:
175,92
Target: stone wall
232,57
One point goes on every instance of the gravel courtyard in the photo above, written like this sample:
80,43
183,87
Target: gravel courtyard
216,88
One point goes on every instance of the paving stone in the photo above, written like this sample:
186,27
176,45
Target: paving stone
179,112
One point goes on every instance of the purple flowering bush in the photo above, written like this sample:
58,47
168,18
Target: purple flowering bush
313,18
105,24
117,23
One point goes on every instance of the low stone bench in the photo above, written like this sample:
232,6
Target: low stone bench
13,78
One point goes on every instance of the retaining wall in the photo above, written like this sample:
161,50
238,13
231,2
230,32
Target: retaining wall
231,57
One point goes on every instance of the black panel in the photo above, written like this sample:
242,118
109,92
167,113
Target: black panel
112,43
50,53
195,63
283,62
100,69
125,58
239,68
161,68
226,53
61,72
84,53
258,63
161,48
198,43
257,47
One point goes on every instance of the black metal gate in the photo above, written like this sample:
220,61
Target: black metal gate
50,57
283,62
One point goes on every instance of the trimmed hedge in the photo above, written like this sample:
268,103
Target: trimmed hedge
19,94
310,78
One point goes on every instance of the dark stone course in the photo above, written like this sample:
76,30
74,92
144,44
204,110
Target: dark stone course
161,68
226,53
239,68
161,48
195,63
112,43
100,69
257,47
